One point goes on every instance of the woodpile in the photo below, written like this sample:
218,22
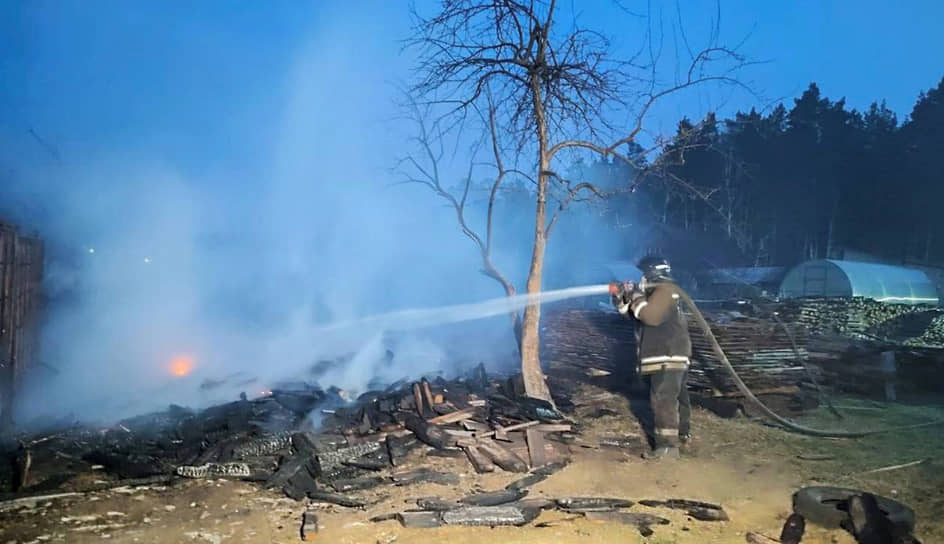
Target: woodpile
848,316
759,348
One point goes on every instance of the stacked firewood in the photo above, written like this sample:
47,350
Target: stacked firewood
845,316
759,348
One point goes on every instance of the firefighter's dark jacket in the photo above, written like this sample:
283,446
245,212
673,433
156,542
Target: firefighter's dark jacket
662,336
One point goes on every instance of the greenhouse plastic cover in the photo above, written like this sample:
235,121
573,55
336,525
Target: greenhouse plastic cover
882,282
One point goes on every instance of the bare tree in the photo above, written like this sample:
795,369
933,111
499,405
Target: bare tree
548,88
425,170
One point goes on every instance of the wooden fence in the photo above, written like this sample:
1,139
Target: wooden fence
21,273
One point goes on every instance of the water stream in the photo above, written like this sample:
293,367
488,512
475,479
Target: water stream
426,317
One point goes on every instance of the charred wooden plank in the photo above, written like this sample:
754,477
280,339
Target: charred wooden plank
425,476
551,468
453,417
215,470
330,460
502,457
494,498
436,504
334,498
420,519
589,504
527,481
708,514
428,399
449,453
418,399
490,516
680,504
399,447
266,445
480,462
540,504
475,426
298,486
553,427
356,484
536,447
510,428
288,468
429,434
367,464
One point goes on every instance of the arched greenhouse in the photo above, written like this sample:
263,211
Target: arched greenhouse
844,279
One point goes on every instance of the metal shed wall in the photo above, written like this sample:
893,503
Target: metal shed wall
881,282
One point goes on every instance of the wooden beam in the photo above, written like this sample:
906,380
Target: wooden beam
453,417
536,447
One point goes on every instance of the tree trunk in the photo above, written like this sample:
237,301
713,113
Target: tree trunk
531,372
533,376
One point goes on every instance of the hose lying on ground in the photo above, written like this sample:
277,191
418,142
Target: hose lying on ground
700,319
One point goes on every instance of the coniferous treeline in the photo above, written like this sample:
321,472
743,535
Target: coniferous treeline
812,181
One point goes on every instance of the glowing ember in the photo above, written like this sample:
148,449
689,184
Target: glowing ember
181,365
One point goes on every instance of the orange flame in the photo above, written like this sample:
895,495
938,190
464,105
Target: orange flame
181,365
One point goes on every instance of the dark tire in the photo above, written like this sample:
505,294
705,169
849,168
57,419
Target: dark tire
827,506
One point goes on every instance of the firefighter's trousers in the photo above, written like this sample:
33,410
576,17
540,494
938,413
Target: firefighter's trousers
671,406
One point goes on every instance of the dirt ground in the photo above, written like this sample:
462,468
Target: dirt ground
749,468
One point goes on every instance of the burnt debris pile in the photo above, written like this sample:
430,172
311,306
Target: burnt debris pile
305,441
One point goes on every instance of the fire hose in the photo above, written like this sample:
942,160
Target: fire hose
749,395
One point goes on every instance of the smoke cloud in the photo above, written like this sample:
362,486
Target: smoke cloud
190,273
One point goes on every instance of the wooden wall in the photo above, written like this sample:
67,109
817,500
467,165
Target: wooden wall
21,272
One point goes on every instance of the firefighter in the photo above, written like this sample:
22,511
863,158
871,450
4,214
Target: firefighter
664,350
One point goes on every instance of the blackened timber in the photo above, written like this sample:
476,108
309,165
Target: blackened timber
436,504
425,476
289,467
356,484
428,399
334,498
399,447
536,447
480,462
502,457
494,498
298,486
680,504
490,516
420,519
587,504
418,399
327,461
429,434
453,417
527,481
